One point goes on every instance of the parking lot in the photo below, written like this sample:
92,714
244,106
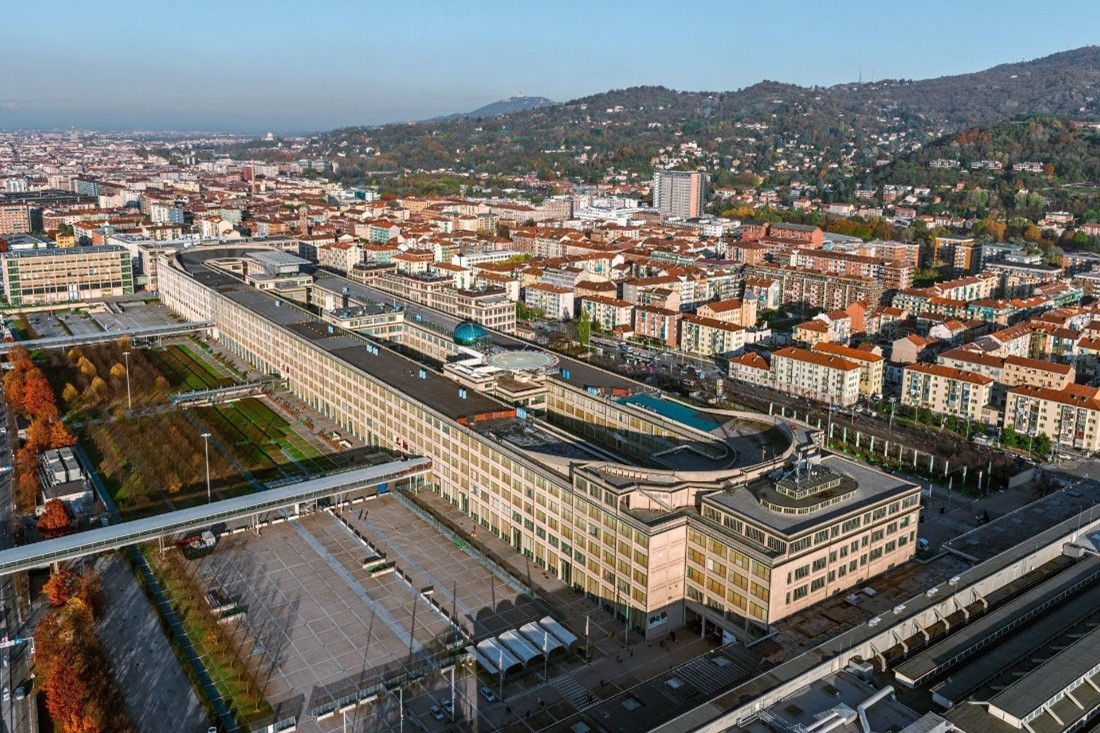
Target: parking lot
321,623
486,604
114,317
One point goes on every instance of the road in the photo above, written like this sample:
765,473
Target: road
18,716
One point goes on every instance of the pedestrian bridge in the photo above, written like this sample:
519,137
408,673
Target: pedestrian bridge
106,337
40,554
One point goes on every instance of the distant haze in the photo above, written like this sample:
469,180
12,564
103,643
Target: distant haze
249,66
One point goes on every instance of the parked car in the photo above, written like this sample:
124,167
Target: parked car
436,712
488,694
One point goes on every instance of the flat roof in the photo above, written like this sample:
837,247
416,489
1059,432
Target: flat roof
871,486
928,661
63,251
277,258
401,373
983,668
100,539
1005,532
1031,691
580,373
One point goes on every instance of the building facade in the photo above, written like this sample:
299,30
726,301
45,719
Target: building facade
614,525
40,276
679,193
819,376
945,391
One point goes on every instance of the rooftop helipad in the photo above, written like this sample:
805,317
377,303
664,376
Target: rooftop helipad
522,361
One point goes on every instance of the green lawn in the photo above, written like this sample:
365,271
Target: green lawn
186,371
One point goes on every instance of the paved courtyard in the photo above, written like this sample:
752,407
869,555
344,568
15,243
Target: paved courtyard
321,623
487,604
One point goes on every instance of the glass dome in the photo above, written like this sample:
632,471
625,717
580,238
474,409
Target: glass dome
469,333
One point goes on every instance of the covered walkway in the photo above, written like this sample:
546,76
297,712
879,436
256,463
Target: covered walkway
41,554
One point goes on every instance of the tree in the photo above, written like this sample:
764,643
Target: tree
26,489
38,435
38,399
13,389
20,357
118,371
1041,445
86,367
584,328
98,386
1009,437
60,587
60,436
70,393
55,520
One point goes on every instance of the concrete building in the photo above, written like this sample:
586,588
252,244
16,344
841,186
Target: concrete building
14,219
40,276
606,312
551,300
871,366
945,391
1019,370
1067,416
708,336
814,289
818,376
679,193
660,519
657,324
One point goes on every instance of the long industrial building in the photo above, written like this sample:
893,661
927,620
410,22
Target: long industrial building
663,513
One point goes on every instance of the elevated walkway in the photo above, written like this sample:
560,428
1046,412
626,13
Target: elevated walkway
41,554
105,337
220,395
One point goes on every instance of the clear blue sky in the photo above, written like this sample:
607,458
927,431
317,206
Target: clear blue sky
293,65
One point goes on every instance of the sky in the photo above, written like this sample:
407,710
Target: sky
308,65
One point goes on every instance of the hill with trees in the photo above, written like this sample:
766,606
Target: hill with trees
1016,168
769,133
512,105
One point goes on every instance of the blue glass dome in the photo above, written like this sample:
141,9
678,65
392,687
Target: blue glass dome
469,333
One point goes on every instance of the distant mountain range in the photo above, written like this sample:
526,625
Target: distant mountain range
519,103
770,132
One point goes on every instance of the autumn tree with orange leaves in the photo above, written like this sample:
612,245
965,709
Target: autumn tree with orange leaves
29,392
55,520
81,696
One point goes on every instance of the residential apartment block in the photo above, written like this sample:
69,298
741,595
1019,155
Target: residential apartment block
814,289
708,336
679,193
818,376
1067,416
945,391
871,366
14,219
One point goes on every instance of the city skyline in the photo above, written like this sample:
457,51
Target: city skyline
260,67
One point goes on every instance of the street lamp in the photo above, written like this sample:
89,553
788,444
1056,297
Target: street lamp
129,402
206,442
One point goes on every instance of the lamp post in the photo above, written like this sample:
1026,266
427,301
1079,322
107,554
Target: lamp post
206,446
129,402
